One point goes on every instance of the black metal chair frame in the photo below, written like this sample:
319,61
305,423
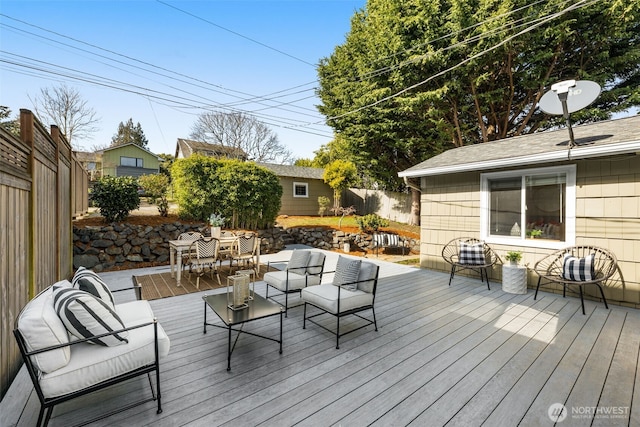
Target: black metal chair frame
47,404
286,292
550,269
451,251
342,314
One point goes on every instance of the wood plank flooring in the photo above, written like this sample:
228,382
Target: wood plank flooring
459,355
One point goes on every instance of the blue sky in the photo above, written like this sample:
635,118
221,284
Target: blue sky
208,53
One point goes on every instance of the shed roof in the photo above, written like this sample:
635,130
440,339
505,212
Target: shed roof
190,147
119,146
294,171
605,138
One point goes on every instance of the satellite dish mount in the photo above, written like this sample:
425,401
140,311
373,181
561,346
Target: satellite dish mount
567,97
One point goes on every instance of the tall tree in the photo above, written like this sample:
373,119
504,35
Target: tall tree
12,126
416,77
128,133
64,107
239,130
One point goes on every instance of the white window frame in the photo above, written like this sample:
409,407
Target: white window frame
570,207
301,184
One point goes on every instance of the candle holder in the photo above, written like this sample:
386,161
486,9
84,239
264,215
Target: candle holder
238,291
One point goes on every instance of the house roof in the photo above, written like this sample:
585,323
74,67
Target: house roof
605,138
190,147
116,147
294,171
87,156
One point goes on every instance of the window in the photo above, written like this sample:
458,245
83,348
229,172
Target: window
131,161
533,207
300,189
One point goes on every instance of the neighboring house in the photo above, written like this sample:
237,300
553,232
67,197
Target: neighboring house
91,162
129,160
187,147
500,191
301,187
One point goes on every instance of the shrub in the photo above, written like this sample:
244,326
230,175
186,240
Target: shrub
371,222
196,184
116,197
323,202
155,187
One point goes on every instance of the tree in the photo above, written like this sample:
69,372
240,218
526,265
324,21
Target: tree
116,196
64,107
242,131
339,175
128,133
415,78
155,187
12,126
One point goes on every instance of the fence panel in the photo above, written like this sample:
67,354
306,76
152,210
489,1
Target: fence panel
388,204
42,185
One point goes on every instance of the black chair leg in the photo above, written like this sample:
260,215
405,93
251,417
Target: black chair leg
374,318
453,271
486,274
304,317
581,300
338,332
537,287
603,297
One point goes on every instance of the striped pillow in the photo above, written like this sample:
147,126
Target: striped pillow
89,281
85,316
346,274
579,269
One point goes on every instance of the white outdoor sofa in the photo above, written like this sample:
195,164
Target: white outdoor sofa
303,269
74,342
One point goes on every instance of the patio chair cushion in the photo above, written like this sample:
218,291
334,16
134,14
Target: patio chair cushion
316,262
346,274
278,279
89,281
579,269
92,364
471,254
41,327
326,297
366,277
298,262
85,315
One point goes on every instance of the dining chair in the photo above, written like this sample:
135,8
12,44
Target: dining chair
244,251
203,253
189,235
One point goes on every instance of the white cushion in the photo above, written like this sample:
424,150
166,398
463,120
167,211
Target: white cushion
85,315
316,263
298,262
41,327
346,274
366,277
278,279
326,297
91,364
89,281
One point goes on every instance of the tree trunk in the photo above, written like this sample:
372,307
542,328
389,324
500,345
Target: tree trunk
415,207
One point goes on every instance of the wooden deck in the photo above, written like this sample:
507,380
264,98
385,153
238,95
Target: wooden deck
459,355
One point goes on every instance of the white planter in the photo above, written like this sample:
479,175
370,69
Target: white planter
215,232
514,279
347,247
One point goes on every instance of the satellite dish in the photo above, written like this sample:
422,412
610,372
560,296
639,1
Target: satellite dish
567,97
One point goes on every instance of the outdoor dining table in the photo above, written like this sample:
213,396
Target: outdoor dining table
177,247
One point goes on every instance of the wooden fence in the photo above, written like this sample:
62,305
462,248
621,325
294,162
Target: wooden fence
42,186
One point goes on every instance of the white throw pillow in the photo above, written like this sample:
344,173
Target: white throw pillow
89,281
85,315
41,327
298,262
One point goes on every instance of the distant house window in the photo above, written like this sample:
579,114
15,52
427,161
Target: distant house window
300,189
532,207
91,166
131,161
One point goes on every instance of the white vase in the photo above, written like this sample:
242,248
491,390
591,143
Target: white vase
215,232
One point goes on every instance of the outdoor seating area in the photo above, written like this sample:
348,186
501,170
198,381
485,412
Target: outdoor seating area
469,253
442,354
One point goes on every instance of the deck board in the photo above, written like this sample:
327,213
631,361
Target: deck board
443,355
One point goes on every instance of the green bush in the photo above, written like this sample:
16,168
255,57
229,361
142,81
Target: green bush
249,196
116,197
155,186
371,222
323,202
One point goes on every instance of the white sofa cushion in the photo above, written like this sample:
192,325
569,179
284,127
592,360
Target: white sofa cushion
91,364
278,279
346,274
41,327
85,315
326,297
89,281
298,261
366,276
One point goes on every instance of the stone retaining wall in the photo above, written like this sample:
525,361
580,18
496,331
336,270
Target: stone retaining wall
131,246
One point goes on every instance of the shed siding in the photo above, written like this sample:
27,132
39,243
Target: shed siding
607,215
302,205
111,160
